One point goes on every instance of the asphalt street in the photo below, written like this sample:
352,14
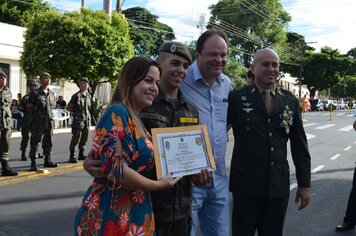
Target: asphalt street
46,203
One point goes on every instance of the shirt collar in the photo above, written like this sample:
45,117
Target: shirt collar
272,90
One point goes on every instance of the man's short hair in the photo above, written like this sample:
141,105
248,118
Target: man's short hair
206,35
176,48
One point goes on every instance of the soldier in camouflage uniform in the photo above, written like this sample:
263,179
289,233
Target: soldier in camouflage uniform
172,207
27,118
41,104
5,126
80,105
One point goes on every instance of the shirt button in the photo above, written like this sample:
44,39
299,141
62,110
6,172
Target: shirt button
270,134
272,149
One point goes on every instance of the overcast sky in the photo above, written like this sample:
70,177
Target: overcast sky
327,22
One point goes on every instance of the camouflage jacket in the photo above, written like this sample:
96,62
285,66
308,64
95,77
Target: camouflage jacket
80,105
41,105
175,203
5,112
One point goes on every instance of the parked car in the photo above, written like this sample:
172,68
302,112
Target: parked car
328,103
342,104
317,105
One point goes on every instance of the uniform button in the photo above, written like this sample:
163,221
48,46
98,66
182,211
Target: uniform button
270,134
269,120
248,118
272,149
272,163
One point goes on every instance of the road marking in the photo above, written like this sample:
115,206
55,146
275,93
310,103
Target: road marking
326,114
340,114
312,114
310,136
25,176
347,128
335,156
349,115
292,186
310,124
317,169
348,148
325,126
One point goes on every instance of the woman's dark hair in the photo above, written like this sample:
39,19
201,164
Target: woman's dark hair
206,35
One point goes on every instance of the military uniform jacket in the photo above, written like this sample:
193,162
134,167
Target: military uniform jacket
81,104
5,112
41,104
175,203
259,166
24,106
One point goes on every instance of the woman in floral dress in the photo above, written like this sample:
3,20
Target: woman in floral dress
119,203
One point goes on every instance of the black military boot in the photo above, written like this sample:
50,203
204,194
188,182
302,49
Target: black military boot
23,156
49,163
33,164
39,155
81,155
6,170
72,158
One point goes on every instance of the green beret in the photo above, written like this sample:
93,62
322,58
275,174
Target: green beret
178,49
3,74
84,79
45,74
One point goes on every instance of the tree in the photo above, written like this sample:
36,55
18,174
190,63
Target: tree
236,72
76,44
147,33
250,25
325,69
19,12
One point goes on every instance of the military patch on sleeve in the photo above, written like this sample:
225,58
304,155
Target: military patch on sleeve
188,120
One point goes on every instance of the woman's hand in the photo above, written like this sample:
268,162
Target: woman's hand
167,182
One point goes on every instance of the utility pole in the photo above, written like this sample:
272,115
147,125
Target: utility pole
82,6
118,6
107,8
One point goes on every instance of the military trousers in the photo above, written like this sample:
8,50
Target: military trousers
38,135
25,133
5,135
264,215
81,136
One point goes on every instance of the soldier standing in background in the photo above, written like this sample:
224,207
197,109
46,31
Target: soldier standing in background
5,126
79,105
41,104
27,118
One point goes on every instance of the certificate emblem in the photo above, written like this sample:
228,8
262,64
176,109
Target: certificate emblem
198,141
167,145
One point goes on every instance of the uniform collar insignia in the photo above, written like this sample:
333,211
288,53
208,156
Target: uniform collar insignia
246,104
247,109
243,98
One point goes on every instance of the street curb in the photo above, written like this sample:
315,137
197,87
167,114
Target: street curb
17,134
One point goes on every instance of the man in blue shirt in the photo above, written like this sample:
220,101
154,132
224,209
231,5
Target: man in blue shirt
208,88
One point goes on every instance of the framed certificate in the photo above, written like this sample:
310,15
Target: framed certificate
182,150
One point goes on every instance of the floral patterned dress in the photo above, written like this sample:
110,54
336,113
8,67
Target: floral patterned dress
108,208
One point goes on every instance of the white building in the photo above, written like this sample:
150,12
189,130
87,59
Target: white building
290,83
11,41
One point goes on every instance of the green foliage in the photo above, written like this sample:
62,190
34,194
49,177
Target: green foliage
236,72
147,33
250,25
19,12
76,44
345,88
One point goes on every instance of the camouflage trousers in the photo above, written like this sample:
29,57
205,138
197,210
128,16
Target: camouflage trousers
38,135
5,135
81,136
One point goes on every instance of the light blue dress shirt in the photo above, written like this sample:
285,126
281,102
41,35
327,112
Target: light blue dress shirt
211,102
